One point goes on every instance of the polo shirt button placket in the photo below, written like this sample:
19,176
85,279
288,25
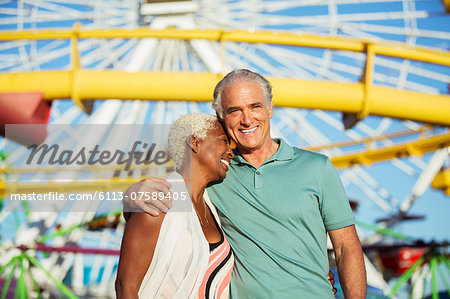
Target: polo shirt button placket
257,180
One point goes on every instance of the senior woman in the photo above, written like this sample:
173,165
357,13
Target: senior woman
187,254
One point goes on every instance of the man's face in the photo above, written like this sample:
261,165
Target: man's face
246,115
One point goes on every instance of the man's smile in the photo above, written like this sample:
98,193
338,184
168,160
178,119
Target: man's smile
248,131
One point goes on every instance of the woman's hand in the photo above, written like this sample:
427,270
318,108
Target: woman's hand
330,277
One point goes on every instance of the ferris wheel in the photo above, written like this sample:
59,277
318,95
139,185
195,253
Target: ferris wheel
364,82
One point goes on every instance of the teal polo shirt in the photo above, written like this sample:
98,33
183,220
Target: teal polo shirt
276,218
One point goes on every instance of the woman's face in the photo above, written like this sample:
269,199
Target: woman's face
214,153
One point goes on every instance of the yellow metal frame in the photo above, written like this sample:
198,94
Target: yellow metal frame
94,168
2,187
442,181
346,97
367,141
416,147
361,98
72,187
390,49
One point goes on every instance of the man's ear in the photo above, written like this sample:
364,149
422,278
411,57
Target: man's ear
271,109
192,142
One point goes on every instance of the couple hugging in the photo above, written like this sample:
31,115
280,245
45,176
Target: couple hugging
257,220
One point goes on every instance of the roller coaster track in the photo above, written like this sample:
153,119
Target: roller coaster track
362,98
418,147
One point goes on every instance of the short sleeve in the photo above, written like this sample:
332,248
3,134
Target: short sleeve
335,207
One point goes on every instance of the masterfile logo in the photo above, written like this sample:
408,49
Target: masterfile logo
84,167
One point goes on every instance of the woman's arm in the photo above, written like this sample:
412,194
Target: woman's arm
138,245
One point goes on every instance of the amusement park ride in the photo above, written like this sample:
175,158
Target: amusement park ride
364,82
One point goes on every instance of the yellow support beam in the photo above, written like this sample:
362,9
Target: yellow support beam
113,84
72,187
356,98
151,168
418,147
368,140
389,49
442,181
183,86
446,4
2,187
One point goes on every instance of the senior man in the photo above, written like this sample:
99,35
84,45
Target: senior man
276,204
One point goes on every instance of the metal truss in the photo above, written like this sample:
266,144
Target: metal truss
346,47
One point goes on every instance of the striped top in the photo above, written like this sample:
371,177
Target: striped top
216,281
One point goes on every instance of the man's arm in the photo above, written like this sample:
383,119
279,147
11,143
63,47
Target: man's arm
350,261
133,197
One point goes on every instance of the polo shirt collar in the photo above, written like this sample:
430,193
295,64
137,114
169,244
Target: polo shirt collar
285,152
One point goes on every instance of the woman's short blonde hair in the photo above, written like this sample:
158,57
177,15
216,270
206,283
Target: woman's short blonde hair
195,124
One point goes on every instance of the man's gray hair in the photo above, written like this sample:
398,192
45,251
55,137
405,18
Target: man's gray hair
240,75
195,124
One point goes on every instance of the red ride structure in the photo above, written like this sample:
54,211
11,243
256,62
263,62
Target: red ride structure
18,111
